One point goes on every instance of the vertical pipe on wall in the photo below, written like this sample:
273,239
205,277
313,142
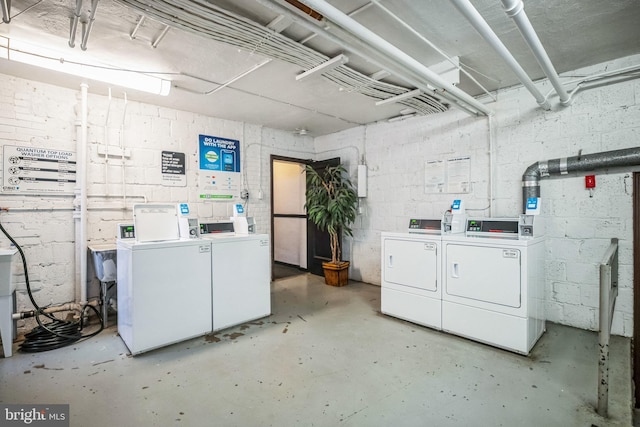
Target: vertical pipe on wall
122,158
82,186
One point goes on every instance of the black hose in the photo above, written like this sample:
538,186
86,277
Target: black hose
56,333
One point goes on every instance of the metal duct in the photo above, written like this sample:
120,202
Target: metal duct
608,161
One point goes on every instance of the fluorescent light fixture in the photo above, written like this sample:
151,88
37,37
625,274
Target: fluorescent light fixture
325,66
81,66
401,97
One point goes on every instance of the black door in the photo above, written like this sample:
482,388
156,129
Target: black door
318,246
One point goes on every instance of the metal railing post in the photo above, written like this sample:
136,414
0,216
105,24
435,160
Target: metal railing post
608,294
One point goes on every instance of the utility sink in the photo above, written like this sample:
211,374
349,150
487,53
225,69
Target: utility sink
7,285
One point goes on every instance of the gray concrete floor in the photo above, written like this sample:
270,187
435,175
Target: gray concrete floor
325,357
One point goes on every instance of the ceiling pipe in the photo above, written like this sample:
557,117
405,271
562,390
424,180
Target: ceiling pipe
515,10
473,16
433,46
6,11
74,23
156,42
92,18
605,162
356,29
371,55
133,34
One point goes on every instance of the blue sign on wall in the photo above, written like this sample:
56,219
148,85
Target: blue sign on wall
219,154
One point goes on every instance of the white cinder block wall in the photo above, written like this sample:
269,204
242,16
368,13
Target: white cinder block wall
579,227
519,134
40,115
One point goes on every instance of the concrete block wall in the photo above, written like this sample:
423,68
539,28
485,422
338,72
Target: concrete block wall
579,227
39,115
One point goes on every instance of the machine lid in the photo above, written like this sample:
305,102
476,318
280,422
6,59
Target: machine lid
425,226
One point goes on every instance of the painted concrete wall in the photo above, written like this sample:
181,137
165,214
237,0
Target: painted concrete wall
579,227
38,115
519,134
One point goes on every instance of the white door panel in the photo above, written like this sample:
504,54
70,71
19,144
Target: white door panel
411,263
488,274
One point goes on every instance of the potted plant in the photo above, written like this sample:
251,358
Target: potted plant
331,205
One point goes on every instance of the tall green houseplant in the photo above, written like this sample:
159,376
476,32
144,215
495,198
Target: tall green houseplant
331,204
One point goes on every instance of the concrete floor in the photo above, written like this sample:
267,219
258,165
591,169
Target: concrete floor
325,357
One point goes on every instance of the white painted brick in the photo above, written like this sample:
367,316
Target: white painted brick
580,316
590,296
564,292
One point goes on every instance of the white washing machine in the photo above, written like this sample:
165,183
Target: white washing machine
241,278
493,285
164,292
411,278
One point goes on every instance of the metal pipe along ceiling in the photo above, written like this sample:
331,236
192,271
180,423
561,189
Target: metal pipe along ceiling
6,11
614,161
473,16
74,23
515,10
355,28
208,20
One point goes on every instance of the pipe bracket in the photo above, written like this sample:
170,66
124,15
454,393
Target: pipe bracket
543,167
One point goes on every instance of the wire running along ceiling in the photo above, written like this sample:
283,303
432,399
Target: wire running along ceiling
208,20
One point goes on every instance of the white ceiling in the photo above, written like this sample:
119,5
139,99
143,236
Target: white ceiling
575,33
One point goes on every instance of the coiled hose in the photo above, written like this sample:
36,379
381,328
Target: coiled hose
56,333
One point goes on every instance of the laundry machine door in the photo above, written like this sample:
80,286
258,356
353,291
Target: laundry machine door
411,263
484,273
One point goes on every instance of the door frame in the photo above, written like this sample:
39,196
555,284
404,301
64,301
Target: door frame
274,158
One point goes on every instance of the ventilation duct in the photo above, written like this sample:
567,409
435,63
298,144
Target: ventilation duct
605,162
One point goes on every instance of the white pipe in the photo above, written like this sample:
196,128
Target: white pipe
124,182
238,77
157,41
92,18
491,165
368,36
106,146
473,16
82,178
433,46
137,27
74,23
515,10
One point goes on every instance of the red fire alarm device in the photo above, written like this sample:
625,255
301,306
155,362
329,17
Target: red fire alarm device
590,181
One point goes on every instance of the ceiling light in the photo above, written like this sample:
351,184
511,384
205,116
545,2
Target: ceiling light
325,66
26,53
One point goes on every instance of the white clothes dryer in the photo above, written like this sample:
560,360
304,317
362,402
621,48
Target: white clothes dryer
411,274
493,285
